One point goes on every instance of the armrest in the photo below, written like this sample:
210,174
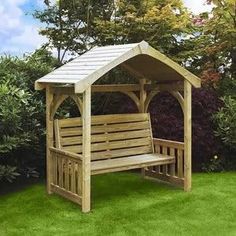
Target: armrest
168,143
70,155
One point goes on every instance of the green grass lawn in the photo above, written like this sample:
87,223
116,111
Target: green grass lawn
125,204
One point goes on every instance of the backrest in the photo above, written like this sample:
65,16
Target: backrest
112,136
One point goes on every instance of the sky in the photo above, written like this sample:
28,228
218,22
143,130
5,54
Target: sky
19,30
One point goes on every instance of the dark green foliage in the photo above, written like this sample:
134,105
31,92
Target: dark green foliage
215,164
22,112
8,173
226,122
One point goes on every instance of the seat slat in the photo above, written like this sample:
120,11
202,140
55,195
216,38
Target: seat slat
121,152
133,162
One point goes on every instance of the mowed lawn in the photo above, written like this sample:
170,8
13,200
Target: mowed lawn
126,204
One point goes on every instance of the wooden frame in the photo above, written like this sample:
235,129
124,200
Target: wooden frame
69,173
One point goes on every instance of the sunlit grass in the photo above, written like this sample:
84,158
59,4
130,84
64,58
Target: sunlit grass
126,204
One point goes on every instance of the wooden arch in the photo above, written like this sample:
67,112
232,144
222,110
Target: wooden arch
59,99
175,94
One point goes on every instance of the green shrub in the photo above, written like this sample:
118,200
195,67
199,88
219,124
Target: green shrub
8,173
22,113
225,119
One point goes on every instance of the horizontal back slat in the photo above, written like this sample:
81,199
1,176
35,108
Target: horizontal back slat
111,135
74,140
110,145
109,128
103,119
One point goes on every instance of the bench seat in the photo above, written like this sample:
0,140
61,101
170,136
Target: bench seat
128,163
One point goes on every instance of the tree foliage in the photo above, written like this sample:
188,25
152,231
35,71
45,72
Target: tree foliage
76,26
212,48
226,125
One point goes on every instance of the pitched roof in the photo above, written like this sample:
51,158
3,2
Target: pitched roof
139,58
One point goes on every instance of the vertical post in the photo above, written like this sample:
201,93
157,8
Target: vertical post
187,135
86,172
49,136
142,99
142,95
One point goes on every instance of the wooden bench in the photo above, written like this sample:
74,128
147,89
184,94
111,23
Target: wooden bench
118,142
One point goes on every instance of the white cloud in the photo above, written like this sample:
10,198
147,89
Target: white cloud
29,37
18,34
197,6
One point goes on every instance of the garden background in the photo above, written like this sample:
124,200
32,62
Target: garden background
203,43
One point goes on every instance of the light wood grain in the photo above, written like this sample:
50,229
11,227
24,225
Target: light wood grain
86,168
187,136
131,162
49,136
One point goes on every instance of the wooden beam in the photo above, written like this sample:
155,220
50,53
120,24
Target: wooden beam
142,99
86,151
142,95
103,88
115,88
63,90
171,86
69,90
49,137
187,135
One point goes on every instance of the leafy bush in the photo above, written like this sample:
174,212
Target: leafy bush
8,173
22,113
215,164
226,122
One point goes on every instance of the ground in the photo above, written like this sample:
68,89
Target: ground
126,204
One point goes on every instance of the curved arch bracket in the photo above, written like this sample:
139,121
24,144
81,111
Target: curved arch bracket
150,96
133,96
58,99
179,97
175,94
78,102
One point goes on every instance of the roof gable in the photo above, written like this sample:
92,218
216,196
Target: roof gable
89,67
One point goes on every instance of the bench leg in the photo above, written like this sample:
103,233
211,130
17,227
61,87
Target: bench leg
143,172
86,205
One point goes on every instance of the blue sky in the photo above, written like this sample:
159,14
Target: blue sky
19,31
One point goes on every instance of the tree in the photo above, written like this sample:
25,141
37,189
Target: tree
76,26
68,24
212,49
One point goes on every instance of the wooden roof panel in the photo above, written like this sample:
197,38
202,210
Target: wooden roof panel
89,67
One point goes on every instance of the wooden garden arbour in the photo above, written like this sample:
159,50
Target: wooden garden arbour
154,71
